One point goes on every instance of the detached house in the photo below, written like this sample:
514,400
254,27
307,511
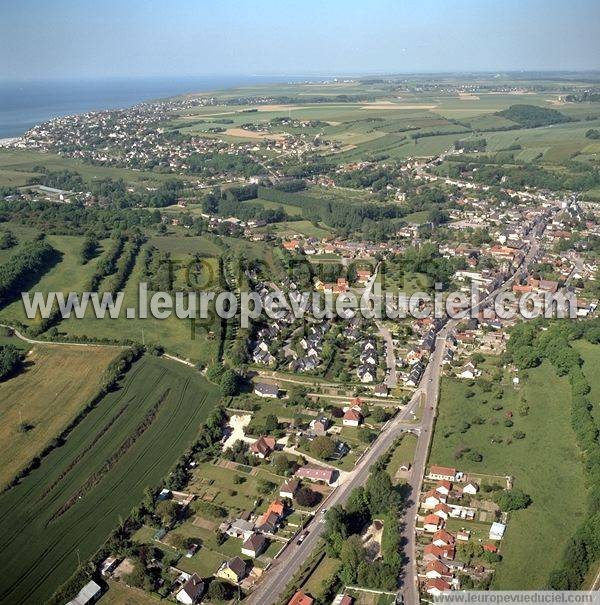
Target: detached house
233,570
254,546
263,447
266,390
441,473
352,417
289,489
191,591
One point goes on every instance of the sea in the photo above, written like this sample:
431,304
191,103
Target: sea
27,103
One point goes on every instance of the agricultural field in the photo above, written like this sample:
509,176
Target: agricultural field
548,450
66,508
56,383
18,165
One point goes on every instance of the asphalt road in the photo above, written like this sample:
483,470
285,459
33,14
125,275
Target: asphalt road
289,562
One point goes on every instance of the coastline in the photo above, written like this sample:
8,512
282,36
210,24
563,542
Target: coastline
24,105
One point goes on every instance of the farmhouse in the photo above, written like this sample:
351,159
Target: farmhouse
442,538
320,425
442,510
240,528
431,552
432,499
352,417
380,390
342,599
443,487
432,523
436,569
263,447
437,586
263,389
300,598
470,488
191,591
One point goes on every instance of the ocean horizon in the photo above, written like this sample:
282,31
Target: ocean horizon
25,104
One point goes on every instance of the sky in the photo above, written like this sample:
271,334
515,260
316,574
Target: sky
54,39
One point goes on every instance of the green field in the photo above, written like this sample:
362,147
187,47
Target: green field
16,167
548,451
142,428
55,384
68,275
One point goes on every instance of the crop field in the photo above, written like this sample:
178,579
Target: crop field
66,508
57,382
547,451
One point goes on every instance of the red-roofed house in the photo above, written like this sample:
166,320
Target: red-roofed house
431,552
352,417
263,446
442,510
443,538
437,569
301,599
315,473
443,473
437,586
432,523
443,487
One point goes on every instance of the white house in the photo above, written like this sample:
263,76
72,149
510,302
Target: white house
497,531
470,488
191,591
352,417
443,473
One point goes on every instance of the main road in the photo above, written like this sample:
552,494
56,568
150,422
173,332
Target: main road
430,385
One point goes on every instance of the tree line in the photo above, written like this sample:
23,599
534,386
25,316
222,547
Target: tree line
527,347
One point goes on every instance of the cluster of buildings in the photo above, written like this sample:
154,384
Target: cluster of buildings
450,496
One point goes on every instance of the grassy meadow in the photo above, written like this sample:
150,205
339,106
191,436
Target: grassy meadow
547,452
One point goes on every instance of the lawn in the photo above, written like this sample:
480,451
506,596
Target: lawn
324,570
181,337
295,228
548,451
120,594
403,453
57,382
66,508
16,167
216,484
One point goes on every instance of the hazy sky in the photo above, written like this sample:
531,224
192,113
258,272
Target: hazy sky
75,38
